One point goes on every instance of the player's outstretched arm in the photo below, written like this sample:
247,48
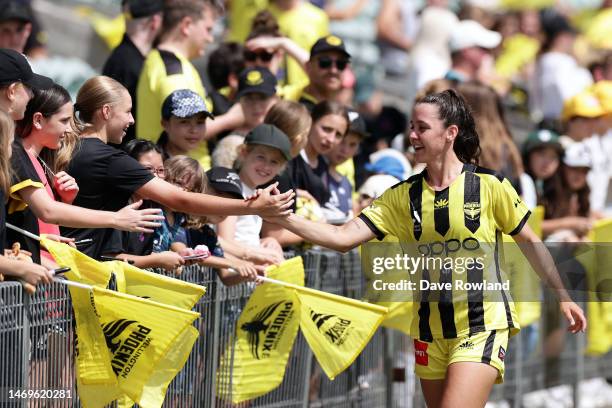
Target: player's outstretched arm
542,262
341,238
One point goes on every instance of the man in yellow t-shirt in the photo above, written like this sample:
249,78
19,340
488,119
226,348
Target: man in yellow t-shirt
186,31
302,22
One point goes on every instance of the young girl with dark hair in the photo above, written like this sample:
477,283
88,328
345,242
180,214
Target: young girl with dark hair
330,123
41,190
27,271
460,345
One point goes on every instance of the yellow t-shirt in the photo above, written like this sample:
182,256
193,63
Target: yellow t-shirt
304,24
464,220
241,14
163,73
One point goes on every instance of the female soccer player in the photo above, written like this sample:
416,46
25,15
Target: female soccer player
459,346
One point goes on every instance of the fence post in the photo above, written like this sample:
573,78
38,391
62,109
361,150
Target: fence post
313,280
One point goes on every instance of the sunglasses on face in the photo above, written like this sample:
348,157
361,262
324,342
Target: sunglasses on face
263,56
326,63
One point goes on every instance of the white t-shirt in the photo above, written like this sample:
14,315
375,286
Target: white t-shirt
248,227
558,77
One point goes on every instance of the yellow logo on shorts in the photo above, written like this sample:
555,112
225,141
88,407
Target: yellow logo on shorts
254,78
471,210
333,41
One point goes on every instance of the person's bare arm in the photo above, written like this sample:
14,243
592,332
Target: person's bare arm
54,212
388,27
26,271
167,260
579,225
345,13
281,43
205,204
232,119
341,238
282,235
544,265
226,231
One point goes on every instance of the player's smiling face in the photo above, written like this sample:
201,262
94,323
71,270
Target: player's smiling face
428,135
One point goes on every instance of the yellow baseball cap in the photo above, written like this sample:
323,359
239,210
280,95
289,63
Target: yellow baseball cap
584,105
603,91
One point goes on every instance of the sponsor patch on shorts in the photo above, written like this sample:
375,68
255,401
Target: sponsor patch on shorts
420,353
502,353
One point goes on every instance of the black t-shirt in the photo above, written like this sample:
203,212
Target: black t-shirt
285,183
124,65
2,220
107,178
309,179
24,175
133,243
205,236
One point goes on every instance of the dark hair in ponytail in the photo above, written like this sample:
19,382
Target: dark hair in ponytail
454,110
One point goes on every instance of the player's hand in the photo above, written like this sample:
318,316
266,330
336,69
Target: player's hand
574,315
269,204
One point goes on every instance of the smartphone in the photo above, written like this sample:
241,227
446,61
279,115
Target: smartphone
83,242
198,256
61,269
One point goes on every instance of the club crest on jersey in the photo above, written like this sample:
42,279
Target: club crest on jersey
471,210
441,203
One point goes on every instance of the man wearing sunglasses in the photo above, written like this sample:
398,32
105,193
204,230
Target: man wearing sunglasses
328,60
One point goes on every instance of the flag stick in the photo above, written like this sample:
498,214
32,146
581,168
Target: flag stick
72,283
22,231
331,296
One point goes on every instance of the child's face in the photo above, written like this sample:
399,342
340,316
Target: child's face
186,133
260,164
576,177
544,162
347,149
153,162
327,133
255,107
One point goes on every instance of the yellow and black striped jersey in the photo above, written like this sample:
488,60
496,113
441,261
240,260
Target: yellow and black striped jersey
467,218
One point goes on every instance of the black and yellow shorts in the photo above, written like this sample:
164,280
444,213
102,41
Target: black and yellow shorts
488,347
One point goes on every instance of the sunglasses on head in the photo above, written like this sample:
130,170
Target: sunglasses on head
263,56
326,63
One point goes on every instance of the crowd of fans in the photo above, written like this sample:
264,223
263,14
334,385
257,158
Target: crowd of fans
161,164
291,99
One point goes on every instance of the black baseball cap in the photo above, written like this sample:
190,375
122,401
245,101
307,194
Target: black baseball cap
143,8
329,43
225,180
14,67
14,10
256,80
358,124
270,135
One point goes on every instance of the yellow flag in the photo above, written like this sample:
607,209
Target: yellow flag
336,328
265,333
148,343
156,287
599,280
92,355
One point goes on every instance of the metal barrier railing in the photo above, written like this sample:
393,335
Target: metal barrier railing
37,351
